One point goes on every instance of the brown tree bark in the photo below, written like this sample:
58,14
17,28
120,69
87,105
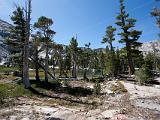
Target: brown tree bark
129,58
46,63
26,47
37,66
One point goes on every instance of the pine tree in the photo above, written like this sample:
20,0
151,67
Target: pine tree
102,61
59,58
156,13
67,61
43,25
16,39
109,38
129,36
86,59
117,62
73,51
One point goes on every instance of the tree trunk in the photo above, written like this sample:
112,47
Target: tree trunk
60,71
113,61
129,58
46,64
26,48
37,67
25,68
85,74
74,75
102,73
53,65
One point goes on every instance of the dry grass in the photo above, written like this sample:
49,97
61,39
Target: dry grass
7,77
64,103
32,74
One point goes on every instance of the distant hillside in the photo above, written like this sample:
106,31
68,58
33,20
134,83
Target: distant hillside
4,32
148,47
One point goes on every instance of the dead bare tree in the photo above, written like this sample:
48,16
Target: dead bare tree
26,46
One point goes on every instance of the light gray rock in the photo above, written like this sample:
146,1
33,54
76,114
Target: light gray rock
109,113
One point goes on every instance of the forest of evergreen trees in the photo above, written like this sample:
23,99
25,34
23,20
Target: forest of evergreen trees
28,42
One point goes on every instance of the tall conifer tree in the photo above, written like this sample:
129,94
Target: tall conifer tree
129,36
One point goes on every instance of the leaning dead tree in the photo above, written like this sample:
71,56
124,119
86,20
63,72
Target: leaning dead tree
42,66
26,46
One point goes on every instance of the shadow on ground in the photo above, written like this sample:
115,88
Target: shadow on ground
154,82
58,89
53,118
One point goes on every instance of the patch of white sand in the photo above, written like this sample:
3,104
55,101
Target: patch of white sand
137,91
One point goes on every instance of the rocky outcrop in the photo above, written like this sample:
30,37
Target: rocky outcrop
4,32
150,47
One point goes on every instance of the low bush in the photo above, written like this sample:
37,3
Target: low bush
4,69
144,75
3,96
1,77
95,80
65,83
8,90
118,88
18,74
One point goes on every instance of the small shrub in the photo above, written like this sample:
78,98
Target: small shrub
9,90
65,83
16,73
95,80
2,96
97,88
143,75
119,88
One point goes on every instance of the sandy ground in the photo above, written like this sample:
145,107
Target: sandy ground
137,91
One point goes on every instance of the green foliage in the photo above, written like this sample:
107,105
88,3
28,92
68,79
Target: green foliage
156,13
109,38
17,37
73,49
97,88
129,36
144,74
3,96
67,60
43,25
108,68
44,28
4,69
94,60
66,83
96,80
9,90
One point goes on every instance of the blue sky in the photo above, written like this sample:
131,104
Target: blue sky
87,18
